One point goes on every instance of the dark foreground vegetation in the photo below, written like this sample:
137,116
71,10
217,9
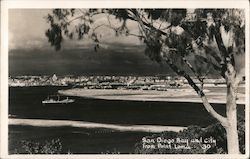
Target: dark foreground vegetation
215,130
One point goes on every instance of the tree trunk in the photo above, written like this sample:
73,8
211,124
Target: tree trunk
230,122
231,112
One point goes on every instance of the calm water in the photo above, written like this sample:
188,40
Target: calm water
26,103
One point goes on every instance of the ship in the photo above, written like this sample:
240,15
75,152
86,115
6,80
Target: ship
50,100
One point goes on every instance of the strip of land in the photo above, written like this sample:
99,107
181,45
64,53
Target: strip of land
171,95
83,124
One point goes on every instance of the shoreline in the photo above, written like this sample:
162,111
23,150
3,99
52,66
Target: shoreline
172,95
93,125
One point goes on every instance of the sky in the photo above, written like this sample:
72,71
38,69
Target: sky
27,31
27,28
31,54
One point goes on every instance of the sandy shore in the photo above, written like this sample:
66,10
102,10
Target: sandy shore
172,95
83,124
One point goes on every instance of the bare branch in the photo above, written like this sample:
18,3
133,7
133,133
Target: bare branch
102,25
80,10
109,20
189,65
139,20
166,28
160,25
216,67
78,17
139,36
143,17
134,17
83,14
192,69
201,94
223,120
220,44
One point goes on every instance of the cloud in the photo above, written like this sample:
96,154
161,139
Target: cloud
27,29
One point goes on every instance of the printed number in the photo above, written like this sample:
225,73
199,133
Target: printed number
205,146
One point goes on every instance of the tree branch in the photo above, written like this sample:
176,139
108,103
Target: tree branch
192,69
137,18
216,67
102,25
78,17
201,94
221,46
83,15
135,13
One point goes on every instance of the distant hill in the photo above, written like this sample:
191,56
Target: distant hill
118,60
110,59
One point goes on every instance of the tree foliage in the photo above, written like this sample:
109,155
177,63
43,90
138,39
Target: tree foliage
197,39
47,147
196,132
174,32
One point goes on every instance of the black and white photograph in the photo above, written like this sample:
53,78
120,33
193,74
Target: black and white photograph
126,80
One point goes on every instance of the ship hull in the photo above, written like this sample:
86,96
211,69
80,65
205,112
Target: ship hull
58,102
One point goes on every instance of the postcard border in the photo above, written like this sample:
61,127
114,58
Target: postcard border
28,4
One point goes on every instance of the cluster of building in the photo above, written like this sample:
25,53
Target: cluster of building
160,83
